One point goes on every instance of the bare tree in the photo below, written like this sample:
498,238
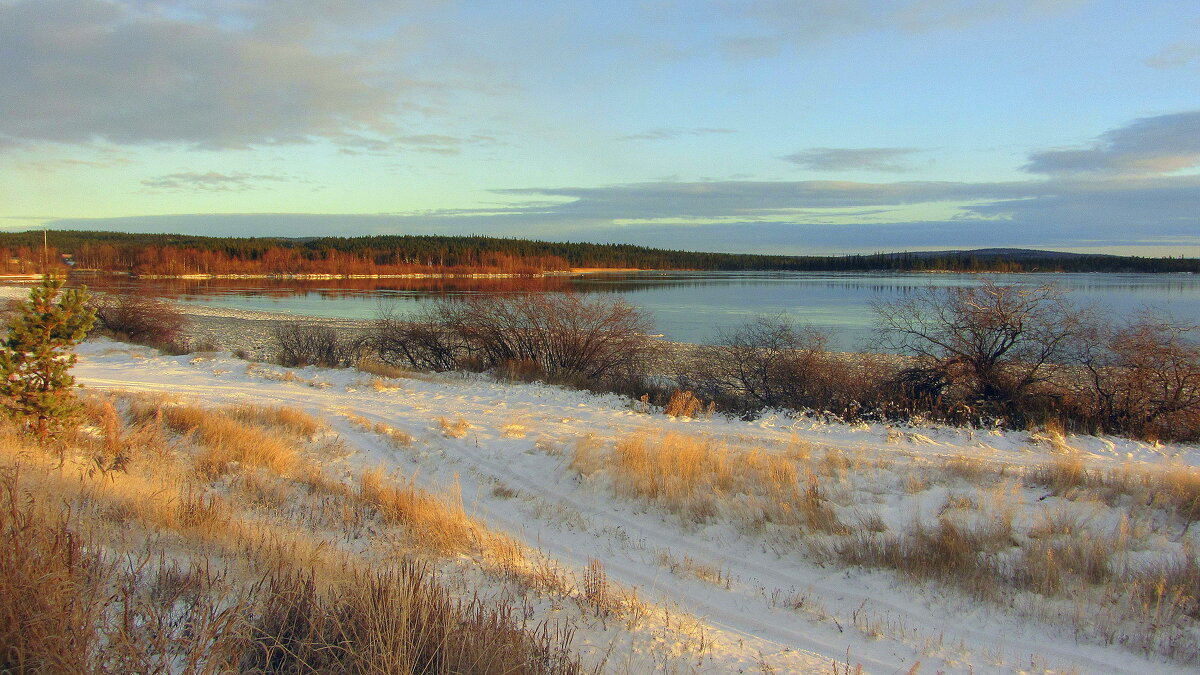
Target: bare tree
997,341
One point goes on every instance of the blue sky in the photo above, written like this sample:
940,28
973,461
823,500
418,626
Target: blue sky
775,126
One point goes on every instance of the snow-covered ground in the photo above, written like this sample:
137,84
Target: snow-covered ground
724,599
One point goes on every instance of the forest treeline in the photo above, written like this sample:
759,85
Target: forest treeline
173,254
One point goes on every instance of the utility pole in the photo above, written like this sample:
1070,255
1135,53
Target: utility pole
45,250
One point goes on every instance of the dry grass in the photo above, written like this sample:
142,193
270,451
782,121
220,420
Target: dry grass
381,385
948,550
686,404
287,375
90,578
689,567
991,538
439,524
453,429
226,441
700,478
395,620
514,430
397,437
1175,489
275,418
380,369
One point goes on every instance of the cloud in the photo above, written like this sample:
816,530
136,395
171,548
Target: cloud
723,199
204,74
210,182
53,165
773,25
851,159
1146,146
669,133
1178,55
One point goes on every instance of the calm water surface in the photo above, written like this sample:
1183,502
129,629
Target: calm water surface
688,306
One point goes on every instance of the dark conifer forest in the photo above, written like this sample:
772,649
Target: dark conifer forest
174,254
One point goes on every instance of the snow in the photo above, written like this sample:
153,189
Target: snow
775,608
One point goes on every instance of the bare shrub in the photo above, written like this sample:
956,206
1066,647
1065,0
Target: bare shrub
142,319
772,362
994,342
421,341
1143,377
561,336
303,344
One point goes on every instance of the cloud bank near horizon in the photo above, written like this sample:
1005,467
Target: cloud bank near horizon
785,217
1120,192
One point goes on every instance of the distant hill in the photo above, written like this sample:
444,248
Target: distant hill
174,254
1009,253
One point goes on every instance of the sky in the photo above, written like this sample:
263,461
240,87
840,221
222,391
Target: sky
763,126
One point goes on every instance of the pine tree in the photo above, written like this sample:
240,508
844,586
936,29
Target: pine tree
35,382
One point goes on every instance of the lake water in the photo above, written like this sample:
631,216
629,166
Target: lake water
686,306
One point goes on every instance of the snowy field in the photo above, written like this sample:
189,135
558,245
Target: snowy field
719,586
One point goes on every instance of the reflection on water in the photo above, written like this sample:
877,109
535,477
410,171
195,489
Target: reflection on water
686,306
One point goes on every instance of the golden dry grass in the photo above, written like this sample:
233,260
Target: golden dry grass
380,369
686,404
278,418
453,428
438,523
975,540
1173,488
700,478
90,578
269,441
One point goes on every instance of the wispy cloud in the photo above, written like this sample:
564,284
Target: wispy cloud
210,75
210,181
669,133
852,159
775,25
1146,146
1178,55
52,165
